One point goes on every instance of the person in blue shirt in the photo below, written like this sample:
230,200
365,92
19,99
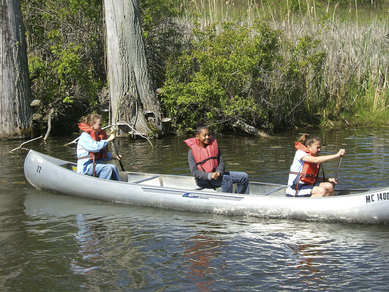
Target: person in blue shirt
92,149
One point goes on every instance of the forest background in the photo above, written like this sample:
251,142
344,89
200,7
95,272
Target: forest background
273,64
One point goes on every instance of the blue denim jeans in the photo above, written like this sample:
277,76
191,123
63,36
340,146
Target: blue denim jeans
104,171
227,181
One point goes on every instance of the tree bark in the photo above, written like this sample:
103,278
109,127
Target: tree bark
132,97
15,94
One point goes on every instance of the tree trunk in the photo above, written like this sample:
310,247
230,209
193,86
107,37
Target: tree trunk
15,94
133,99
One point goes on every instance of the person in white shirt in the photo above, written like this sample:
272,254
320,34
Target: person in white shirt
303,176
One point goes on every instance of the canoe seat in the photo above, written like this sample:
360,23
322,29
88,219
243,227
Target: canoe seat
146,179
70,166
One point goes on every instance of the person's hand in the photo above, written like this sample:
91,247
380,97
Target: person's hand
333,180
341,152
216,175
111,137
117,157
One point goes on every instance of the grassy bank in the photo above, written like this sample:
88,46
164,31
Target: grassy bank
332,62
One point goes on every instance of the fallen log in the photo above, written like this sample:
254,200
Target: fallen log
243,126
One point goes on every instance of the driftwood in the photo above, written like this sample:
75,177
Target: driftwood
72,142
48,125
20,146
241,125
133,131
116,125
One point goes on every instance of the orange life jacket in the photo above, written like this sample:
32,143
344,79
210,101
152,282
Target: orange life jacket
97,136
310,171
206,158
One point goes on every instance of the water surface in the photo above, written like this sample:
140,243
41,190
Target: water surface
51,242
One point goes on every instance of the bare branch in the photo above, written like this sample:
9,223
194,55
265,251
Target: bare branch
116,125
48,125
20,146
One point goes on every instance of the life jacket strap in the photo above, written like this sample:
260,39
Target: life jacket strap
93,158
94,166
83,157
205,160
302,174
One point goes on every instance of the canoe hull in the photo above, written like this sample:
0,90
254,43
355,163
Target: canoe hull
180,193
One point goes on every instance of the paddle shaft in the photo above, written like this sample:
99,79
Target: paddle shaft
337,170
117,153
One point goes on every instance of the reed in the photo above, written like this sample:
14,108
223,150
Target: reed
354,39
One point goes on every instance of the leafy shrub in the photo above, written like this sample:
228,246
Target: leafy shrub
66,56
235,72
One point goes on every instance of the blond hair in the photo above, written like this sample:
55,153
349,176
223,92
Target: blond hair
90,119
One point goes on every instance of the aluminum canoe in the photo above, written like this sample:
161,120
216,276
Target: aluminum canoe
180,192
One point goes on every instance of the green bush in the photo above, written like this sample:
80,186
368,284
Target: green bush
66,56
234,72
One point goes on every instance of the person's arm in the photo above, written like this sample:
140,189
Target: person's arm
220,169
109,157
198,174
324,158
221,166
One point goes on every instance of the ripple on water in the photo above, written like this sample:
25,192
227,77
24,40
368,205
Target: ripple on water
53,242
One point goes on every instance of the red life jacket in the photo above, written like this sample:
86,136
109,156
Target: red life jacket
206,158
97,136
310,171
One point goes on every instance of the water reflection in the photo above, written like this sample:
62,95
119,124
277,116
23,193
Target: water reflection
134,248
200,251
89,238
307,267
108,247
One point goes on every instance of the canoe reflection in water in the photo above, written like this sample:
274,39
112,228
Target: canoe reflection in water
88,237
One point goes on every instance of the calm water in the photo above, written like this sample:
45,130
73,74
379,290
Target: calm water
50,242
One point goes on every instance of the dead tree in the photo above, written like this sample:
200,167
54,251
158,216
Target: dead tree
132,97
15,94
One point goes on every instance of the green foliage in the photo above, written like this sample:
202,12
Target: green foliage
218,73
66,55
155,12
66,51
296,97
238,73
162,36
